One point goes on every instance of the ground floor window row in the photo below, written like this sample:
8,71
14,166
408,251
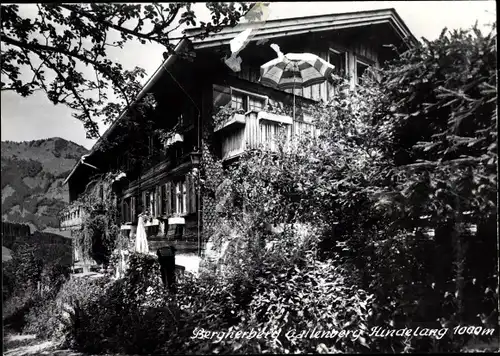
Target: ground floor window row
173,198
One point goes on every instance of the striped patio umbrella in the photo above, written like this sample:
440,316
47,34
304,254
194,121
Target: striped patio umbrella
294,70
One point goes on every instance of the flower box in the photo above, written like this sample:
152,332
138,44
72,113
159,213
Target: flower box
236,120
152,222
262,115
176,221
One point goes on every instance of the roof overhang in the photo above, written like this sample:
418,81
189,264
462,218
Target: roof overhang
146,88
300,25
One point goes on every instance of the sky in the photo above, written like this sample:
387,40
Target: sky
35,117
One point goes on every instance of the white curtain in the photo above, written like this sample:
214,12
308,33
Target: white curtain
141,241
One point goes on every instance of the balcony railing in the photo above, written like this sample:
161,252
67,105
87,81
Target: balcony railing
71,218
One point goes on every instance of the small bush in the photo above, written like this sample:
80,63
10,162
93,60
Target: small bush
125,315
18,305
23,273
283,297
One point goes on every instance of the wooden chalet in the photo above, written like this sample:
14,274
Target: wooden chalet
189,92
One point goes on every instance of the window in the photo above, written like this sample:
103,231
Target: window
339,60
126,212
247,101
152,202
133,209
238,101
163,199
362,67
173,199
180,197
177,197
76,254
221,95
184,197
147,202
151,199
254,103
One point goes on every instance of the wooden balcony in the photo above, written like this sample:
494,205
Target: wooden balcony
257,129
71,218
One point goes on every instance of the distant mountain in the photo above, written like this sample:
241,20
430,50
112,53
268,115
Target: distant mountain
32,177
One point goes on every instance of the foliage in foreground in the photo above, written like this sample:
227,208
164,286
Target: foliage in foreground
51,46
287,286
402,183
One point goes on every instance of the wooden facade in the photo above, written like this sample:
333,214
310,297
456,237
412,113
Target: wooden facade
353,54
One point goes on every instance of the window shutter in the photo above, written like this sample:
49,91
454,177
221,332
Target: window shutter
174,199
133,209
168,200
192,196
152,202
123,216
189,183
184,196
157,200
175,193
160,200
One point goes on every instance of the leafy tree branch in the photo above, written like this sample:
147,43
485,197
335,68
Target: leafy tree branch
71,37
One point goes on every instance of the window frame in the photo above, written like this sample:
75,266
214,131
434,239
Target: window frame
162,200
363,61
152,202
126,210
337,50
246,96
178,198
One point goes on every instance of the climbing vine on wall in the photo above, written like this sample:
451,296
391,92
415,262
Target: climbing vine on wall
100,230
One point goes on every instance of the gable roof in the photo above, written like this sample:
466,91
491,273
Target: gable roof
299,25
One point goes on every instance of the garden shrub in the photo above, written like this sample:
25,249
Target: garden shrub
40,319
316,296
59,316
17,307
126,315
24,272
284,286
